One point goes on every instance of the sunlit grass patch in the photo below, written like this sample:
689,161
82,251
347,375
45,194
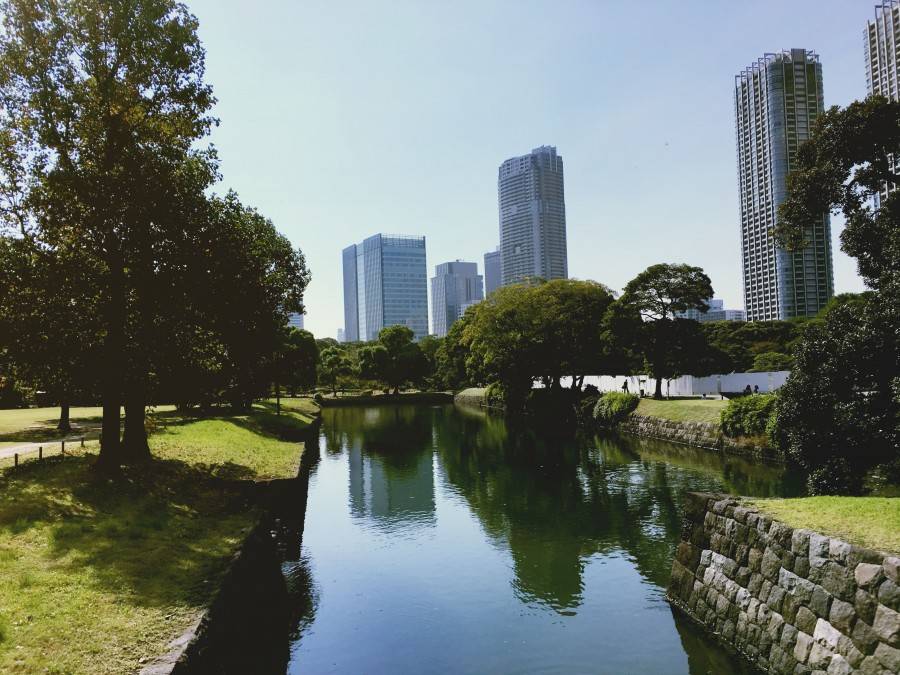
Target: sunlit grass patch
683,410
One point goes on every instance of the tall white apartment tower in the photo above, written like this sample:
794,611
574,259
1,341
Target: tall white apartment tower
882,42
776,101
532,205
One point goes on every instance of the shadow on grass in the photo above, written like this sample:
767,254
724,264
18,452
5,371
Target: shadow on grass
45,430
160,536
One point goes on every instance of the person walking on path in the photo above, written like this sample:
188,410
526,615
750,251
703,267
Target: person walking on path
625,387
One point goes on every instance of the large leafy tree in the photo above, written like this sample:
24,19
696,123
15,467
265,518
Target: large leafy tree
298,360
395,359
839,412
102,101
647,319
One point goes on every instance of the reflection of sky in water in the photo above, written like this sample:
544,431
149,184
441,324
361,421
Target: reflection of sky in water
442,538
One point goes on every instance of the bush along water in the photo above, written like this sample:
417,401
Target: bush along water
613,407
748,415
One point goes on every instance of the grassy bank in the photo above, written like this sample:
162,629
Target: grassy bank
100,576
683,410
873,522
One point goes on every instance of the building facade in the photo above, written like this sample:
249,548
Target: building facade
385,284
454,287
531,201
716,312
882,40
491,271
295,320
776,100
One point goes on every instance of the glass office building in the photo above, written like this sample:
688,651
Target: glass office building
385,284
454,287
776,101
532,205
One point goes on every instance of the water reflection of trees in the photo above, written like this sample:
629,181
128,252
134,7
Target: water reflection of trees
555,503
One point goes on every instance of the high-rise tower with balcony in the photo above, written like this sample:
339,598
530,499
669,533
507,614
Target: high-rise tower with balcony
776,101
882,46
455,286
532,205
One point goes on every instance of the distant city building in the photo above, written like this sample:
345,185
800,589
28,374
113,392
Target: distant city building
340,335
716,312
882,38
455,286
491,271
777,100
295,320
532,205
385,284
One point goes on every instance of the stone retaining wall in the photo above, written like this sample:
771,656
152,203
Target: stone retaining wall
699,434
791,601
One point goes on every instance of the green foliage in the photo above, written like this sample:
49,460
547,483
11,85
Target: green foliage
645,316
333,364
495,396
735,345
771,361
748,415
835,476
842,399
298,360
614,407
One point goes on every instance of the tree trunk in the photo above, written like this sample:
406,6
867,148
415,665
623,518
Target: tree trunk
134,443
658,393
64,424
113,348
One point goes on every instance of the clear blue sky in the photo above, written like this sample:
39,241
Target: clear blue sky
343,119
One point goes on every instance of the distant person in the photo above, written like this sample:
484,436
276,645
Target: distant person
642,393
756,389
747,390
625,387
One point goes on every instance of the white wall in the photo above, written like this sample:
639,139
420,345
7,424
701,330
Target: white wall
688,385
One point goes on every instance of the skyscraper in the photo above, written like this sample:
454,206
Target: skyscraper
385,284
454,287
491,271
532,207
776,101
882,38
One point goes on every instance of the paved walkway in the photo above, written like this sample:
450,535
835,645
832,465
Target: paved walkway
52,446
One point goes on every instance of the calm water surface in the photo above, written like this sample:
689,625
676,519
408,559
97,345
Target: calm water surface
440,540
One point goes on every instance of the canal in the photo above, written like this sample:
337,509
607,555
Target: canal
440,540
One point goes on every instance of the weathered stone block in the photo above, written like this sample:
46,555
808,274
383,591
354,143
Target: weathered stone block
755,584
781,533
892,568
868,575
795,585
839,666
842,616
788,636
764,590
819,656
740,513
865,606
864,637
820,601
826,634
838,550
848,650
888,657
789,607
887,625
838,581
889,594
775,598
803,647
800,542
754,559
806,620
770,564
743,576
818,545
801,566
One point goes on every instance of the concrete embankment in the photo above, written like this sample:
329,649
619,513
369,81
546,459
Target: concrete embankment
789,600
699,434
246,627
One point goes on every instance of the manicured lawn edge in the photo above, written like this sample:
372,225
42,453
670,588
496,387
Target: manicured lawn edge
871,522
101,576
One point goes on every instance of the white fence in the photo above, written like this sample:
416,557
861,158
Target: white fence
688,385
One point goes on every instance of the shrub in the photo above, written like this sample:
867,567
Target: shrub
318,397
586,410
771,361
613,407
748,415
836,476
591,391
494,396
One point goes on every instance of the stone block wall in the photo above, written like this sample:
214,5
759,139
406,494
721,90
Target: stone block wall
699,434
792,601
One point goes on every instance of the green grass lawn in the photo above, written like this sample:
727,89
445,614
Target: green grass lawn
683,410
99,576
33,425
873,522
